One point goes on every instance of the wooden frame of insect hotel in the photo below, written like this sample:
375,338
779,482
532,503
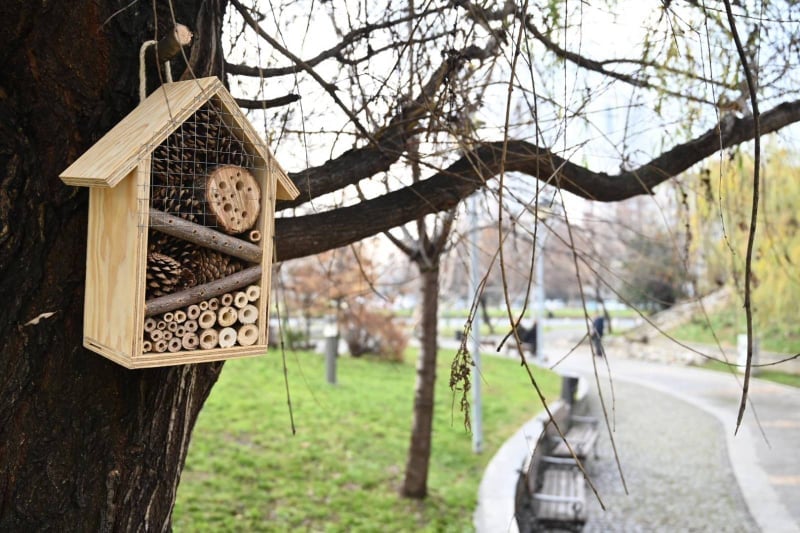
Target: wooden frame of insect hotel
180,236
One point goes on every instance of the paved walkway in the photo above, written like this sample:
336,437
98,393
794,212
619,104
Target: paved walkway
685,470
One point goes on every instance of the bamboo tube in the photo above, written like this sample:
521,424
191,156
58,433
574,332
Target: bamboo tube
248,314
253,292
226,316
193,295
147,346
160,346
226,299
207,319
240,299
203,305
167,335
213,304
193,311
161,325
190,341
156,335
190,326
174,345
172,326
254,236
180,316
227,337
168,317
209,339
248,335
181,331
149,324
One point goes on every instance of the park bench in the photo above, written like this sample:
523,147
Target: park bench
582,436
551,492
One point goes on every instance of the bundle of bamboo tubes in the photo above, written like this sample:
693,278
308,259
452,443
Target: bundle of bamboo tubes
232,319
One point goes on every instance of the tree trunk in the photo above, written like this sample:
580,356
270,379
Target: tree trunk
415,484
85,445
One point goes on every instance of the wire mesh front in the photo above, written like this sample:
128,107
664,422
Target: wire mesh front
203,173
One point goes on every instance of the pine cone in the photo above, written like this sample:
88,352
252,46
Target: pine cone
178,249
163,274
209,265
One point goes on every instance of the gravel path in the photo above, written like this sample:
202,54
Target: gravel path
675,463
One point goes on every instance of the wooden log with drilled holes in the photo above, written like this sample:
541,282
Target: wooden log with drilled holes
193,295
233,196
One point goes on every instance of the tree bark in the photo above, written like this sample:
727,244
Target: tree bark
415,483
85,445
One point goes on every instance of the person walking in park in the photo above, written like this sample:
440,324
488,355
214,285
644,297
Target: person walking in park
598,323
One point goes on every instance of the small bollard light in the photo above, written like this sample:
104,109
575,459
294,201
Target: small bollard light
331,334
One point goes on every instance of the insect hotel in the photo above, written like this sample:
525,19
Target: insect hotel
180,237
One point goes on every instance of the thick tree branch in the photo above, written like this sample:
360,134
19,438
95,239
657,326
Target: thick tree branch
311,234
268,103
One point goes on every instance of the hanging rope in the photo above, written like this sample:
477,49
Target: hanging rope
142,70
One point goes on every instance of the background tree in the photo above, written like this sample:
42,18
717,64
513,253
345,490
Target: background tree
88,445
719,221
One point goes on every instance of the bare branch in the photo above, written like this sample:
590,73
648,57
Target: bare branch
335,52
268,103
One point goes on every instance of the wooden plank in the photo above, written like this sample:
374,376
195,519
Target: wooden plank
151,360
114,262
119,151
582,438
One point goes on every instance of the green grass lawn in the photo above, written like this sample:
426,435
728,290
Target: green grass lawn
728,323
341,472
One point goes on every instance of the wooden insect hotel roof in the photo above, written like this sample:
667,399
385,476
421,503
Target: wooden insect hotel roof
117,153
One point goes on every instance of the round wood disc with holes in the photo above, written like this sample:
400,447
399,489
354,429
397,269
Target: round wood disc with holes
234,198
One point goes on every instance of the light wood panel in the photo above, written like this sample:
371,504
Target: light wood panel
116,244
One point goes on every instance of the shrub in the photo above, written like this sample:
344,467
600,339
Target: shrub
376,332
